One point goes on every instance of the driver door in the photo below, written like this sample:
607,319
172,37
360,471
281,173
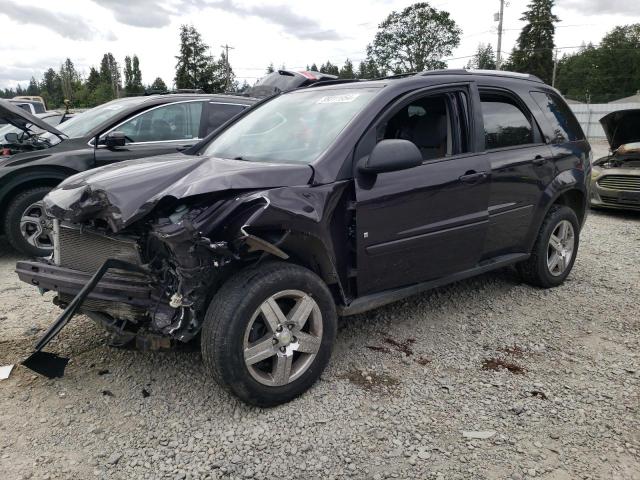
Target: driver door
429,221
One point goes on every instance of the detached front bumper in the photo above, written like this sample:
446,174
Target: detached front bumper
128,295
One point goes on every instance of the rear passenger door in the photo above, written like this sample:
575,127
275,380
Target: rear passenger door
167,128
521,168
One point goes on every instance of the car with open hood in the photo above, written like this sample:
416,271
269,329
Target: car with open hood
322,202
616,177
285,80
38,158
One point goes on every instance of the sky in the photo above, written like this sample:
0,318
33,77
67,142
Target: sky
295,33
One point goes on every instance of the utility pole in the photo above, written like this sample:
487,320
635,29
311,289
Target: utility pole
499,52
555,68
228,66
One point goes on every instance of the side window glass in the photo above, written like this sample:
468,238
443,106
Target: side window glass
219,113
425,122
505,125
178,121
565,126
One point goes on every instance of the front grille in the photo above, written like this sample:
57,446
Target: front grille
624,183
617,201
86,251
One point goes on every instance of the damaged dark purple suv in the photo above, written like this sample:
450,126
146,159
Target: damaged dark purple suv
322,202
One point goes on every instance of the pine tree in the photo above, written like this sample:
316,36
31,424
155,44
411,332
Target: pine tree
158,85
369,70
196,68
484,59
33,88
270,68
347,70
533,52
313,68
70,80
329,68
50,88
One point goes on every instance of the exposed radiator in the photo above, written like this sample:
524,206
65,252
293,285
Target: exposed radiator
86,251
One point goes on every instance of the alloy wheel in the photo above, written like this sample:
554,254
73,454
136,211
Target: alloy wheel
561,247
283,338
36,228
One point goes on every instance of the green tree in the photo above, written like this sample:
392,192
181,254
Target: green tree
110,79
347,70
127,72
368,69
33,88
533,52
137,76
313,68
413,40
50,88
158,85
196,68
329,68
70,81
270,68
484,58
605,72
132,76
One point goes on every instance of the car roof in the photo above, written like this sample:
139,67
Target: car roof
435,77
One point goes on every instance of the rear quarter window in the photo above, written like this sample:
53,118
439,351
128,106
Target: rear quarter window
563,123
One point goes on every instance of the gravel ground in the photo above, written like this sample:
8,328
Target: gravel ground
548,382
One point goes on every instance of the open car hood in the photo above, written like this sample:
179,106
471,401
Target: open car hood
125,192
21,119
622,127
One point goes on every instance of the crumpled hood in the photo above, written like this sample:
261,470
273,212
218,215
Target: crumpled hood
124,192
622,127
20,118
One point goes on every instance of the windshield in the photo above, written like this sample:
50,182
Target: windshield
81,125
295,127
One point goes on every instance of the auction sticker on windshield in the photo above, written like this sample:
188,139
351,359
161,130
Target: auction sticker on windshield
346,98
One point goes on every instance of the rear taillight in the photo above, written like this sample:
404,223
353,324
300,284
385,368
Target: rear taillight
308,75
6,152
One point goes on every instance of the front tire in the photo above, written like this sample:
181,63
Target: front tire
268,333
26,226
555,250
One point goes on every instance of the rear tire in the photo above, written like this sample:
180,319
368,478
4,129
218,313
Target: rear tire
268,333
22,222
552,259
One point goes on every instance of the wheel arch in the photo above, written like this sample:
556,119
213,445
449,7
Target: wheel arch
569,189
28,178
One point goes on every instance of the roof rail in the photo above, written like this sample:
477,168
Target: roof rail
471,71
397,75
337,81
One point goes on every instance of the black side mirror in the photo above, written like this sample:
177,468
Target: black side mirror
391,155
11,137
115,139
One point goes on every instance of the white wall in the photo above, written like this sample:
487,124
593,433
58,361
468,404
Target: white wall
589,116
